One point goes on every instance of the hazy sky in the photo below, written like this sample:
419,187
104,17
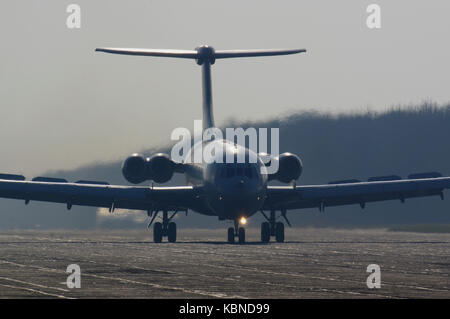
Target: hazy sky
62,105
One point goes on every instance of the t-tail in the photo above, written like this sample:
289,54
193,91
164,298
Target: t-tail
205,56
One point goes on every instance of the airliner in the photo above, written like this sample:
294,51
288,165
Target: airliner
228,190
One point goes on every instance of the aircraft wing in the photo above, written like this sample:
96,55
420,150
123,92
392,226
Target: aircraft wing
321,196
97,194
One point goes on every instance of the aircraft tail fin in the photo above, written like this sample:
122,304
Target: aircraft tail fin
204,56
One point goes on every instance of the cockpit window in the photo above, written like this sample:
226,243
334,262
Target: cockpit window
230,171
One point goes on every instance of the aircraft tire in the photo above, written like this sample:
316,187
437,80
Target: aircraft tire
172,232
157,232
265,232
241,234
231,235
279,232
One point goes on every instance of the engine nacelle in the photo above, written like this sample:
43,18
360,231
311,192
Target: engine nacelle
290,168
160,168
135,169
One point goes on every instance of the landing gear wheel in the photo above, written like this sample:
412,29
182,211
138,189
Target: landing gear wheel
172,232
279,232
241,235
231,235
157,232
265,232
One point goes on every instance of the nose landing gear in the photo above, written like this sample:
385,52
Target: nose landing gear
231,235
241,235
238,232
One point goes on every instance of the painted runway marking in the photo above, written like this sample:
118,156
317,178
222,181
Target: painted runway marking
123,280
35,291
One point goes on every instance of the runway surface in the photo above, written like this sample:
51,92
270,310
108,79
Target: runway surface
313,263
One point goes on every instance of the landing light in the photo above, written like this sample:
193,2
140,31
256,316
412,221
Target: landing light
243,221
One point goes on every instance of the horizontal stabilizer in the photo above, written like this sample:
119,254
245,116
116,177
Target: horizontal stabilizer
188,54
224,54
201,54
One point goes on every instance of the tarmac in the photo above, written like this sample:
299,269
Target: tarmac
312,263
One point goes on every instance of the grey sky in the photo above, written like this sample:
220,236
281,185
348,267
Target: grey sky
62,105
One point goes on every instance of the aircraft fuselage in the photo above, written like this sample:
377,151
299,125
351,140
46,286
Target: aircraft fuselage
232,189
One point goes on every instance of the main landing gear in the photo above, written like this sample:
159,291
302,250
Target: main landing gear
165,229
236,231
273,228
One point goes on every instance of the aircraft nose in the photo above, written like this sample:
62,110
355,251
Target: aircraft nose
237,197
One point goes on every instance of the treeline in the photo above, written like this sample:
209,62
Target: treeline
400,141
